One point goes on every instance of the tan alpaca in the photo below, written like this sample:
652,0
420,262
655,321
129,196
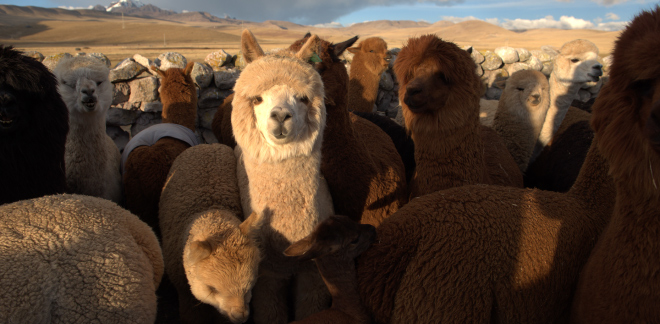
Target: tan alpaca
576,64
92,158
521,112
278,118
371,59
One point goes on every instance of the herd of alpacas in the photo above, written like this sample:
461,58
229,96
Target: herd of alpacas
313,209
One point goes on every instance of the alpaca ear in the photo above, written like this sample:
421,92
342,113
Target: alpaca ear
307,50
341,47
252,223
189,68
354,50
197,251
307,249
156,69
500,83
249,46
307,35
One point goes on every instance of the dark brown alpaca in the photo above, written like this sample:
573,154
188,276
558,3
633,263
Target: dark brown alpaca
34,122
221,124
439,92
371,59
360,163
146,166
334,245
619,283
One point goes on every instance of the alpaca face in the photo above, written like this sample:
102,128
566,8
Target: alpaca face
281,115
84,85
10,111
528,89
373,52
577,62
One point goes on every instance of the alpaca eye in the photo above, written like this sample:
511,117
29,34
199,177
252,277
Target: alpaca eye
305,100
356,240
213,290
257,100
99,83
575,60
520,89
372,51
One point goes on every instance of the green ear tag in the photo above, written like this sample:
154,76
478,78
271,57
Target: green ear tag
315,58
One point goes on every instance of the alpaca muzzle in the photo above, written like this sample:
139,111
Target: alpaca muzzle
89,102
415,99
280,122
596,72
9,111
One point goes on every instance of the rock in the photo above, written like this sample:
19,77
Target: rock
550,50
493,93
386,82
218,59
212,97
239,61
202,74
492,61
118,135
547,68
523,54
534,63
145,120
477,57
120,93
121,117
127,70
209,137
515,67
390,66
51,61
347,56
206,117
508,54
101,57
226,78
492,78
170,60
542,55
151,106
35,55
607,62
479,70
384,103
144,90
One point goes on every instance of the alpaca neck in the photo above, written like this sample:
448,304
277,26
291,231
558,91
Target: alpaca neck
86,128
447,159
340,277
182,113
363,87
561,97
594,185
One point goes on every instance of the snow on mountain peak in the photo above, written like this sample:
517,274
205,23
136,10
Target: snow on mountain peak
125,4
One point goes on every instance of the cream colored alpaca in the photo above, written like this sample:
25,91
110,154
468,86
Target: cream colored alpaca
521,112
278,119
576,64
92,158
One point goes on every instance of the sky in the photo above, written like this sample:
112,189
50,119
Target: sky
566,14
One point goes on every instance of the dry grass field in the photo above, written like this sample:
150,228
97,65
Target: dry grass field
52,31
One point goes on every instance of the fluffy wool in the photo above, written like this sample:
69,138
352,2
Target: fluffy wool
92,158
76,259
620,281
370,60
34,123
210,256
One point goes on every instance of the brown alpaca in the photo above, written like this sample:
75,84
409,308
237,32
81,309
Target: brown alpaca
149,155
439,93
371,59
334,245
619,283
221,124
364,173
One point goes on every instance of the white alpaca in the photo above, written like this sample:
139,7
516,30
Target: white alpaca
92,158
576,64
278,119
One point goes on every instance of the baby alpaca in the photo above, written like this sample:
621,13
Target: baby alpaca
210,256
34,122
521,112
334,245
76,259
619,283
92,158
371,59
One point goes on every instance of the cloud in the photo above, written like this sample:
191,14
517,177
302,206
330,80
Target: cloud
564,22
609,3
612,16
459,19
333,24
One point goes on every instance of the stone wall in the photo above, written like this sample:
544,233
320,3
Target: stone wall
136,104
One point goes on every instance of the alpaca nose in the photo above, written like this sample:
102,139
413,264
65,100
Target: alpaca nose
599,69
239,314
89,92
280,114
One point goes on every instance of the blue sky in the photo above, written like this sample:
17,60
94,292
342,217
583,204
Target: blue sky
567,14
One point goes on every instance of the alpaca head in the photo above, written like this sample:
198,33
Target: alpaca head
438,85
577,62
278,107
84,85
527,95
222,266
24,84
626,114
178,94
336,237
372,52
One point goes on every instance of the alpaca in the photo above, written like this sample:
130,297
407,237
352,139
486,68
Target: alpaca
440,104
334,245
371,59
92,158
210,256
521,112
485,254
76,259
558,165
364,172
34,122
619,283
221,124
148,156
575,65
278,117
